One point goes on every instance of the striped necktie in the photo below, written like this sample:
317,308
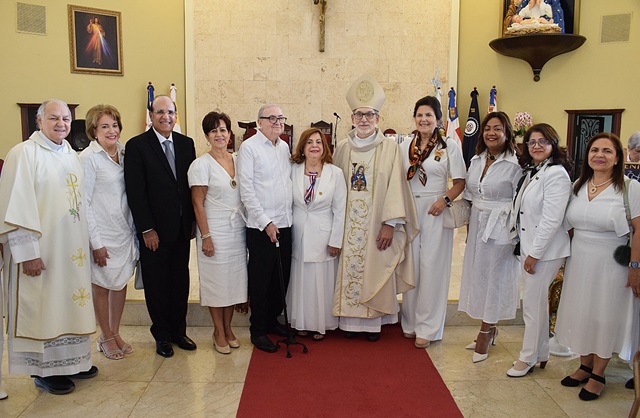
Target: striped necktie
310,193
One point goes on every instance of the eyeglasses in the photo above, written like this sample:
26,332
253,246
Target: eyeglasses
165,112
368,115
542,142
274,119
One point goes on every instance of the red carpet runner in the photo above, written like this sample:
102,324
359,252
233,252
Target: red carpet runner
346,378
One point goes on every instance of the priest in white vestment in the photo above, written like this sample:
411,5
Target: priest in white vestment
47,267
376,261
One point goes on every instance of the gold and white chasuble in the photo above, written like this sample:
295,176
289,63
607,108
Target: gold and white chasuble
376,192
41,191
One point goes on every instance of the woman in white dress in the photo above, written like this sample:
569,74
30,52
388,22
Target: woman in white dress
598,310
490,270
319,201
111,230
539,207
222,252
430,160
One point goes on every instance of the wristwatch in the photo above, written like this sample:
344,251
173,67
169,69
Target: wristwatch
447,200
634,265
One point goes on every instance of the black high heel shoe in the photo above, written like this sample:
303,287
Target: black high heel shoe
585,395
571,382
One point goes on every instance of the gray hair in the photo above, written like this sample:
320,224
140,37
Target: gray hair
265,107
40,112
634,141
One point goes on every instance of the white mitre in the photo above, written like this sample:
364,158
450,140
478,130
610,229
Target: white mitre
365,92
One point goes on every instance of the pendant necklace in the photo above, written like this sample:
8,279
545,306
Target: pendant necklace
594,187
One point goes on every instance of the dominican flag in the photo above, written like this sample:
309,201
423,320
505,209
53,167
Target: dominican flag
471,130
150,97
493,100
173,94
453,124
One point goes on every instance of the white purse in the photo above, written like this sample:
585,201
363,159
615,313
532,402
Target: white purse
456,215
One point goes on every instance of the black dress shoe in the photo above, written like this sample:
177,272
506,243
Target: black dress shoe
264,343
585,395
572,383
56,385
629,384
278,330
185,343
164,348
89,374
373,336
350,335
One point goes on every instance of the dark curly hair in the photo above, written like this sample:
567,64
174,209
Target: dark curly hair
558,154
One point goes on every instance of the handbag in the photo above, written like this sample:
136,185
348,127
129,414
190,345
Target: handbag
456,215
622,254
137,281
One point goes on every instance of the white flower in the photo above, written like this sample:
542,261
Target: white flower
521,122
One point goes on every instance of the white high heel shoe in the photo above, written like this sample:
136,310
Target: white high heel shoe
477,357
513,372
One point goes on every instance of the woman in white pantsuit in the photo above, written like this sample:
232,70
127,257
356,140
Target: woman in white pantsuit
429,160
539,206
319,201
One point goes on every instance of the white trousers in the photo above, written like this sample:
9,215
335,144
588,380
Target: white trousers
424,308
535,309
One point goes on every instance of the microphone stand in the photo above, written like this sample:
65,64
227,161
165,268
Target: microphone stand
290,339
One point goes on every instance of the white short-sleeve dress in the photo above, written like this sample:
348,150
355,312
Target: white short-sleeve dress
223,277
597,313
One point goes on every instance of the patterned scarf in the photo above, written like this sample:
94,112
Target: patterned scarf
311,192
416,158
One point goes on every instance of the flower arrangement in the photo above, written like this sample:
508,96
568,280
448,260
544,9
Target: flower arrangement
521,123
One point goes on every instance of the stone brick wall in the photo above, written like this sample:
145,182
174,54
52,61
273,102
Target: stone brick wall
248,53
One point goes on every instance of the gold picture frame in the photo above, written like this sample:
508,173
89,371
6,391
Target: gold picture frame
95,41
571,10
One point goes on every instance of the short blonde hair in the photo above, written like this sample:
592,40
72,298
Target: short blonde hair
95,113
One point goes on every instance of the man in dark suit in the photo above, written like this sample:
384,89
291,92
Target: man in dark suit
155,173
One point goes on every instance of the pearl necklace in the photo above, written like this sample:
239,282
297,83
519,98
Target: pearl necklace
594,187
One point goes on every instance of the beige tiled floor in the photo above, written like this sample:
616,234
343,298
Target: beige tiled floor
204,383
207,384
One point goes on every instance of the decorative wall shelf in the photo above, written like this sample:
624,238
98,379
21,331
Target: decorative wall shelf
537,49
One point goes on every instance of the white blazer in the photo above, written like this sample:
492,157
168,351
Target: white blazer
544,202
321,223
